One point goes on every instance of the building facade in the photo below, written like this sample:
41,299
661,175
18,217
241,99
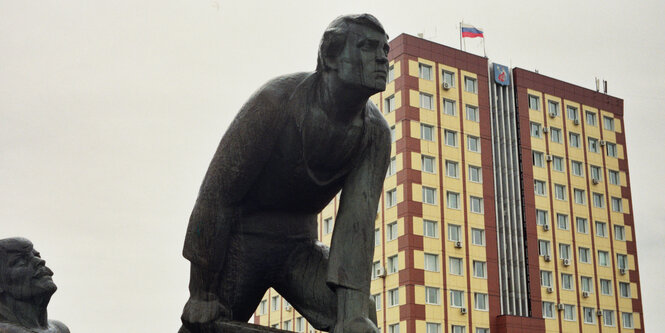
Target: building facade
506,207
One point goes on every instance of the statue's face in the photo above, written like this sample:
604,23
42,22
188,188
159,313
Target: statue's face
22,271
364,60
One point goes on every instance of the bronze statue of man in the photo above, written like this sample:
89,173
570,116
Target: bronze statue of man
26,288
298,141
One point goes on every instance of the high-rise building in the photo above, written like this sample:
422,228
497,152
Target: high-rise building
506,207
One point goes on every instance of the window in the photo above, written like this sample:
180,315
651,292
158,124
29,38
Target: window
425,71
614,177
534,102
451,169
454,232
393,328
582,225
448,77
392,134
470,85
393,297
452,199
263,307
480,300
611,149
275,325
375,269
559,192
472,113
601,229
596,173
300,324
624,289
564,251
391,73
562,221
555,134
603,258
477,236
553,108
428,164
589,315
475,174
593,145
458,329
619,233
392,264
431,262
543,247
392,167
617,205
432,295
585,255
456,298
427,132
449,107
430,229
541,217
426,101
377,237
473,143
608,123
535,130
389,104
391,198
622,261
327,225
557,163
567,281
476,205
287,325
538,159
539,187
579,196
450,137
482,330
391,231
577,168
608,317
572,113
574,139
456,266
480,269
548,310
377,301
590,118
433,328
598,200
569,312
587,284
606,287
627,319
429,195
545,278
274,304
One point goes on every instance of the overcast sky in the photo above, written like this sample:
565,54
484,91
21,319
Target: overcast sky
111,110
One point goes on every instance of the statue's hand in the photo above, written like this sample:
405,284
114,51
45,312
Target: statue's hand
199,315
357,325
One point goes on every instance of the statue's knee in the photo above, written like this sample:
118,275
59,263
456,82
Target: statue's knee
371,311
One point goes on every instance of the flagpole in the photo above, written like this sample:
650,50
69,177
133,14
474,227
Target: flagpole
484,50
460,36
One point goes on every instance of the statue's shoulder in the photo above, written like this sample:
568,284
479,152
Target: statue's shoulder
376,121
11,328
59,326
280,89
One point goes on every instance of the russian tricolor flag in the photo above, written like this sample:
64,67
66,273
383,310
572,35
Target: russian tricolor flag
471,31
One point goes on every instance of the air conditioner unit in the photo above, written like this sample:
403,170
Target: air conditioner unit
602,142
462,310
287,308
550,290
576,121
595,181
548,158
445,85
458,244
547,257
381,271
559,306
599,312
622,271
545,129
546,227
585,294
566,262
552,114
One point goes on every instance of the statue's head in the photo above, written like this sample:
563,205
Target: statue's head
23,274
355,47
